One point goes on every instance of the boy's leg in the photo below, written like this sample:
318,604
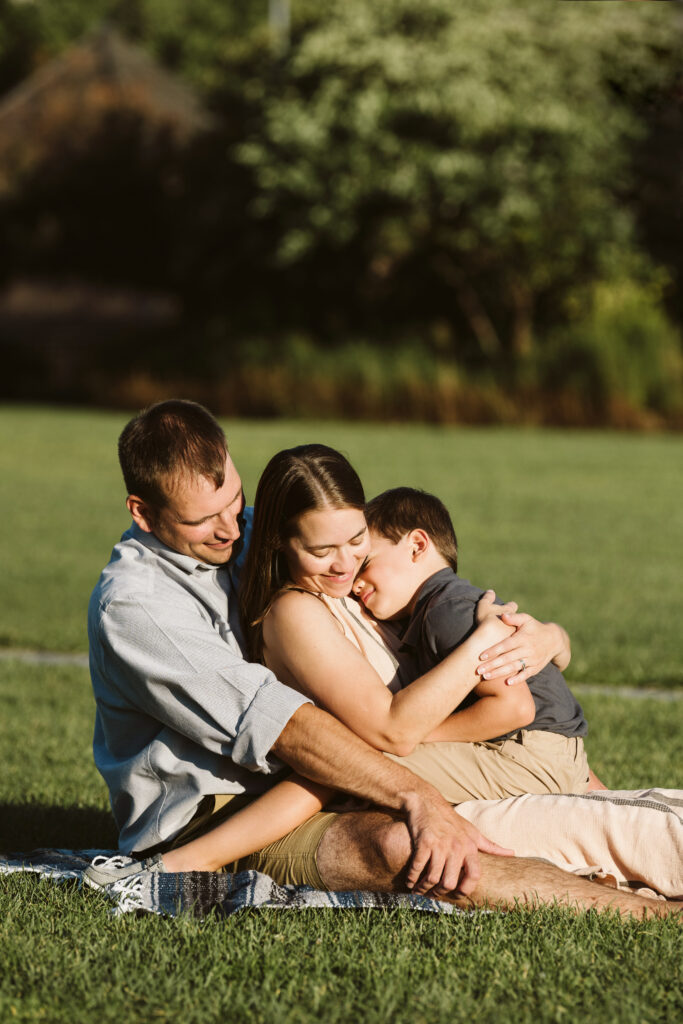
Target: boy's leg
532,762
292,860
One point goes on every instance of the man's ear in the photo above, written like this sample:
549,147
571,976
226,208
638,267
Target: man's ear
419,543
142,513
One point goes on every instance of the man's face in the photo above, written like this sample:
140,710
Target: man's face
198,520
386,584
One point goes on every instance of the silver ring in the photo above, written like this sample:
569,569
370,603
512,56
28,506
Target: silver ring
523,664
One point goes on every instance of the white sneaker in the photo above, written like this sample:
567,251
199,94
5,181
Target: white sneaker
106,871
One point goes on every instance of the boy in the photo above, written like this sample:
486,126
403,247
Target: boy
411,576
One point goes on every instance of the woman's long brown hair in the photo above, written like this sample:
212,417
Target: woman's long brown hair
308,478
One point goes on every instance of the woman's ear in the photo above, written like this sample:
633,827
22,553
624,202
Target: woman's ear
142,513
419,543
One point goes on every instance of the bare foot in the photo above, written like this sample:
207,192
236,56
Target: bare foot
594,782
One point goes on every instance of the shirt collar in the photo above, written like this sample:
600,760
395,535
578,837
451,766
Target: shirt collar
411,636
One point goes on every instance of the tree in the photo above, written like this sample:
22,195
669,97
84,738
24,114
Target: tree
466,160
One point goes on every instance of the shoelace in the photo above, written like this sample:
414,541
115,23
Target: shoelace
129,892
117,861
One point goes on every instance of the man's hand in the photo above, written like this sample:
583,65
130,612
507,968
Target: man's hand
526,651
445,849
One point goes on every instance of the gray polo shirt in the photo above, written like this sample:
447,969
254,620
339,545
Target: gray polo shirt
445,615
180,713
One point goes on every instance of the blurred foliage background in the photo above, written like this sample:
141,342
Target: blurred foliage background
405,209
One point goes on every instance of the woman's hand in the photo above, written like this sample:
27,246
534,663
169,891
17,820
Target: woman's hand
526,651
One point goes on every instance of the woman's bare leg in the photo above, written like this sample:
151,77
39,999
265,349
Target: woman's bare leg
265,820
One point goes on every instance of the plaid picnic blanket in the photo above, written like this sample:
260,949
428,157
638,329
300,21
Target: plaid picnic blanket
198,892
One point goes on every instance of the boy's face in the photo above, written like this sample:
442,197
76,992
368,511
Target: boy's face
387,583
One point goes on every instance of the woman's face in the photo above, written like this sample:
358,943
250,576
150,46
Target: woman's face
327,550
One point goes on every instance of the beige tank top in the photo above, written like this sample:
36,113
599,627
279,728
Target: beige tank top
375,641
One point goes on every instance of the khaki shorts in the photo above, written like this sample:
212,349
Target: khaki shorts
291,860
530,762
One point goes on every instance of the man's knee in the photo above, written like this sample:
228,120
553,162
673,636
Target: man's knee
364,850
392,846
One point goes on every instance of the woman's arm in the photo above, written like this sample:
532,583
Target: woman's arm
305,648
499,710
265,820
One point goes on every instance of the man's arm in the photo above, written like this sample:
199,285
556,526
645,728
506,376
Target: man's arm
445,846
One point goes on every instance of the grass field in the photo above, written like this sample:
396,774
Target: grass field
64,958
585,528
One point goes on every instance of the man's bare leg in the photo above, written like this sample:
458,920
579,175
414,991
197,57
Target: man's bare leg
369,850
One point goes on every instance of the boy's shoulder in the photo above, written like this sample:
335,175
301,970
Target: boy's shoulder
446,585
444,614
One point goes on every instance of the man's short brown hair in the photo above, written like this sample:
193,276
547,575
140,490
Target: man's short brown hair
167,441
395,513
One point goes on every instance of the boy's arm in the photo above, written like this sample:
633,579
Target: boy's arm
499,710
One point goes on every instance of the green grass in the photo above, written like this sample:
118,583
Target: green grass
332,966
63,958
582,527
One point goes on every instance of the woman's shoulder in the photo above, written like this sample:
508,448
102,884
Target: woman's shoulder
293,602
294,607
294,597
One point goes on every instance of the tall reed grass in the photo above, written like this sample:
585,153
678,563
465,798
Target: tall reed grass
405,382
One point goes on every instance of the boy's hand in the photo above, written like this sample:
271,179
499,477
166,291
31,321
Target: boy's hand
525,652
486,606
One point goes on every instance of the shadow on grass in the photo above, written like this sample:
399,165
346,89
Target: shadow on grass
25,827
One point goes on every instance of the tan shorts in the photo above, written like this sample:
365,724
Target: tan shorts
291,860
531,762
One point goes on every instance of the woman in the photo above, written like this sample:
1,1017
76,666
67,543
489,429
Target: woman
308,542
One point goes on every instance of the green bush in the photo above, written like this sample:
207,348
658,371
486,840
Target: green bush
622,350
439,180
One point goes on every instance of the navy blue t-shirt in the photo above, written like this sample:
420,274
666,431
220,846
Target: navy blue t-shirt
445,615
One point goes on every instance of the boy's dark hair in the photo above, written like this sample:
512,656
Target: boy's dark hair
169,440
402,509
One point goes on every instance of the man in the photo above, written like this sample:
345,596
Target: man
185,725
